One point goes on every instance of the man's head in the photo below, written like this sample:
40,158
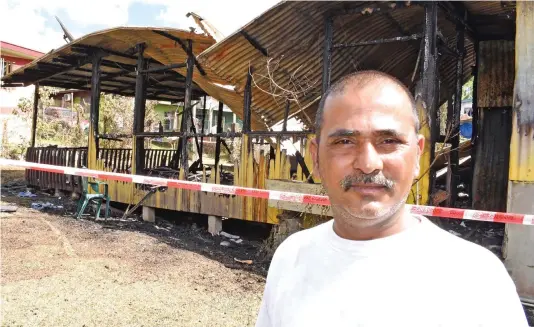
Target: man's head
367,147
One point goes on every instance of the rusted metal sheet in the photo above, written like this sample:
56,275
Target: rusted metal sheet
494,127
522,146
496,71
490,184
292,33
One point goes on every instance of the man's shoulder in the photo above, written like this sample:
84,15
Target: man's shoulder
459,249
295,242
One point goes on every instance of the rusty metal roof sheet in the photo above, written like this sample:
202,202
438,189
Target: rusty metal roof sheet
285,46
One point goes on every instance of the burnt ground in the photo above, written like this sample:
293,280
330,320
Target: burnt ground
59,271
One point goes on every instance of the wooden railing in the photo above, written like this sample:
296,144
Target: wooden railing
116,160
158,158
69,157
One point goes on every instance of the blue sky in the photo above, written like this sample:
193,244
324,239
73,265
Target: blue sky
31,23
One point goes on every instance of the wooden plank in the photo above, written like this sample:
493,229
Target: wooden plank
299,187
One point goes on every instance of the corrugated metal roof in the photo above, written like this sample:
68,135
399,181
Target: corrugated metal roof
117,40
292,35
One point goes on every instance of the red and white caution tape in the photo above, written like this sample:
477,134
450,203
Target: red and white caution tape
498,217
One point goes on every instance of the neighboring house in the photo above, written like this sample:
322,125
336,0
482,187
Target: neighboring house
13,129
170,116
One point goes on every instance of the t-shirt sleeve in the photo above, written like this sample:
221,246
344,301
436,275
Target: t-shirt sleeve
504,307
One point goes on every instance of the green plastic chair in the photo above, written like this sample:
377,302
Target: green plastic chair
97,197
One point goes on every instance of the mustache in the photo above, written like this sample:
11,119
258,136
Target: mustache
377,179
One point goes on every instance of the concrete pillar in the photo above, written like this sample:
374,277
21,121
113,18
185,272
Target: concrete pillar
518,248
149,214
214,225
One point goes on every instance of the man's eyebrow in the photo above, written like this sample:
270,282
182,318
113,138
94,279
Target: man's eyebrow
344,132
382,132
388,132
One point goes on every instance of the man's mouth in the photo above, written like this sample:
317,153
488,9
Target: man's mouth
368,189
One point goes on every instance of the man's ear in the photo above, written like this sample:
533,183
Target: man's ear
314,148
420,150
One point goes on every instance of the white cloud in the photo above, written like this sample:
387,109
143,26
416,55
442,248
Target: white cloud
25,26
23,21
227,16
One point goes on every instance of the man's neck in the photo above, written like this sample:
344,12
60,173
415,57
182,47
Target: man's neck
398,222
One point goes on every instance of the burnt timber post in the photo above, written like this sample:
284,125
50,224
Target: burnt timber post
427,101
327,52
34,116
92,149
139,112
247,103
218,142
202,132
519,240
474,136
453,176
186,120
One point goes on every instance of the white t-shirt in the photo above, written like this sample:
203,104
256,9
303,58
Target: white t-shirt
423,276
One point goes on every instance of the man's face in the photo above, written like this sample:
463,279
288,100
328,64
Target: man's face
368,153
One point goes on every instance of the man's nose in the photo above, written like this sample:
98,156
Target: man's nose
367,159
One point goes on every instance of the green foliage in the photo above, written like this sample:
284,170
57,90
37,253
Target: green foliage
467,89
116,117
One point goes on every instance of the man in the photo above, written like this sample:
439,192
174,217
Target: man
375,264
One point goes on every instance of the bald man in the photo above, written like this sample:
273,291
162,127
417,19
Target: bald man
374,263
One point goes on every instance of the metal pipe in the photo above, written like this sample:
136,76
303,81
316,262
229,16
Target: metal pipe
162,68
327,52
412,37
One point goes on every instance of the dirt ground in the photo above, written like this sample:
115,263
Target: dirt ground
59,271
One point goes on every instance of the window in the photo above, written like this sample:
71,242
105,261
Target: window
168,121
5,67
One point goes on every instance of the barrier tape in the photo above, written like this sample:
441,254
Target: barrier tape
498,217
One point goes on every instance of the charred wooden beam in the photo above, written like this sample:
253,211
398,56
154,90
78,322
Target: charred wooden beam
255,43
202,130
247,103
454,176
416,36
218,141
139,112
187,108
34,115
229,134
73,66
430,84
162,68
187,48
458,14
286,115
327,52
305,170
94,111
